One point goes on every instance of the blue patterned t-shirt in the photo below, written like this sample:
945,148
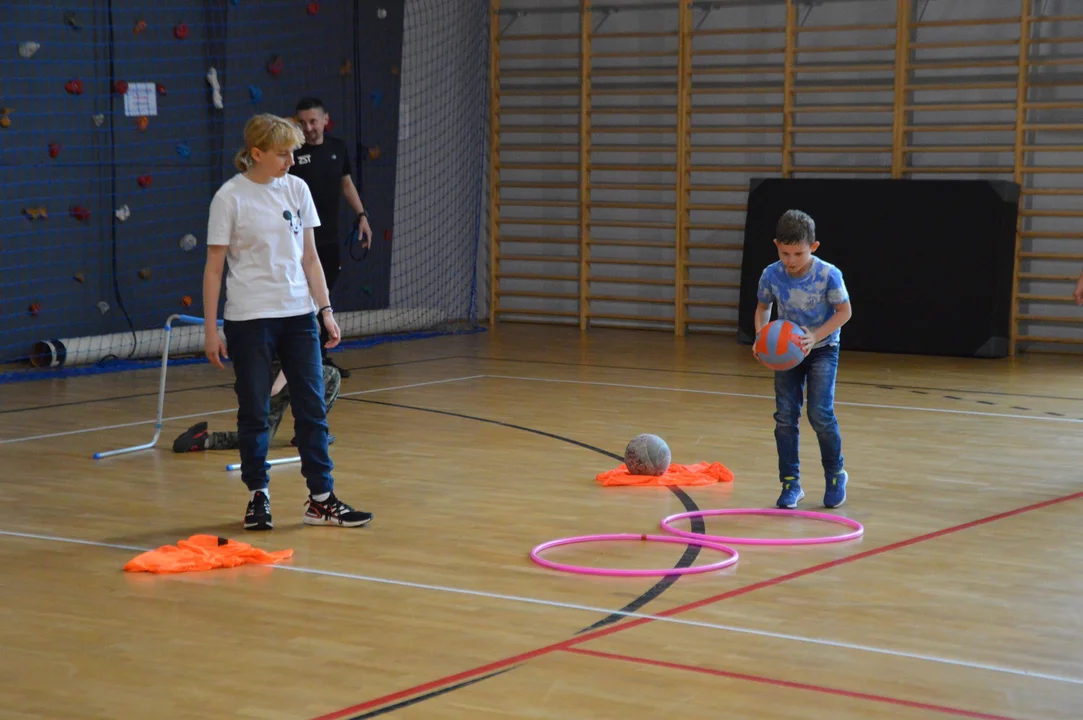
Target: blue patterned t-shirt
809,300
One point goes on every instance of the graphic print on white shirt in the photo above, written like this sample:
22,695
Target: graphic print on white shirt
263,225
294,221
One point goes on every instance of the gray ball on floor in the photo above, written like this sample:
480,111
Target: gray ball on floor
647,454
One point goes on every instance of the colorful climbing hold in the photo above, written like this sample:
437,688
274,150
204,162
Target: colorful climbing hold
103,307
186,301
182,149
346,68
98,119
142,122
274,66
79,278
121,87
54,149
381,13
188,242
28,48
5,119
38,213
377,97
374,152
180,31
255,94
74,87
71,21
144,181
34,309
123,213
144,274
313,8
161,89
140,27
394,70
80,213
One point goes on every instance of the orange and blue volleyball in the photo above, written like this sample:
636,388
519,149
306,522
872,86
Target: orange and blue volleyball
778,345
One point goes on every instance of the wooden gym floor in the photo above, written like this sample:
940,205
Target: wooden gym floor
961,599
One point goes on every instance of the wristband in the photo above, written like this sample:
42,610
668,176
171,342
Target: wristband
325,307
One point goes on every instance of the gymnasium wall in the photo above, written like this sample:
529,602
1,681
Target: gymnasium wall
441,163
421,170
875,89
137,267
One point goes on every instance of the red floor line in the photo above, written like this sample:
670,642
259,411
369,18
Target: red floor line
823,690
770,582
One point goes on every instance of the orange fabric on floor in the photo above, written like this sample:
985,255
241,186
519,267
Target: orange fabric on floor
702,473
203,552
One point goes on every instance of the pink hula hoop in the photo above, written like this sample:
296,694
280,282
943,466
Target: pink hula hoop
535,555
857,532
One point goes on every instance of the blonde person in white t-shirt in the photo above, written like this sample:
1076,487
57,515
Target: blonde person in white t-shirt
261,221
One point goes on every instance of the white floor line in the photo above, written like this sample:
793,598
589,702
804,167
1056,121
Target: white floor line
979,413
228,410
71,541
109,427
604,612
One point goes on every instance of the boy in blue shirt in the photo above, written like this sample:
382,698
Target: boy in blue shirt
811,294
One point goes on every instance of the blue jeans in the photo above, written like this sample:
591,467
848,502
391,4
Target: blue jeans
252,346
819,370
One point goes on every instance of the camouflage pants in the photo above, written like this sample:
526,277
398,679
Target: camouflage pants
332,381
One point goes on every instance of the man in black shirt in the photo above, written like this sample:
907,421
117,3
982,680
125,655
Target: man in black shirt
323,162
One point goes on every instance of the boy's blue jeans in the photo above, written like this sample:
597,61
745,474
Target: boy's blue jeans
819,369
252,346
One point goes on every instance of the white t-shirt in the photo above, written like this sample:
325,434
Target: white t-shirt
263,225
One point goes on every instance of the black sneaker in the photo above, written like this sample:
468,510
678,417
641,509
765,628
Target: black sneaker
258,514
344,372
193,439
333,511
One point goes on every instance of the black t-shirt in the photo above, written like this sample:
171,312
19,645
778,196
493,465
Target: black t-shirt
322,168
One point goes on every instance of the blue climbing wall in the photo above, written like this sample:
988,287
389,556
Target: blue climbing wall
77,269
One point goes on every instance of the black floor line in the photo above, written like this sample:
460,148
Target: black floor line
690,554
429,695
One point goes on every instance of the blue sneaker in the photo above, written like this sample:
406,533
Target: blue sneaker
791,493
835,494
